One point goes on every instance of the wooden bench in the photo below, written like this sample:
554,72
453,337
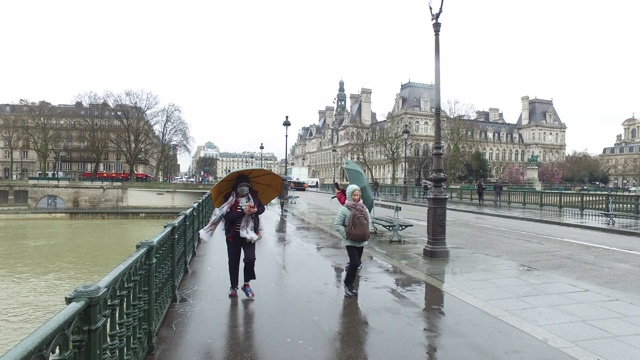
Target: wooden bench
611,214
393,224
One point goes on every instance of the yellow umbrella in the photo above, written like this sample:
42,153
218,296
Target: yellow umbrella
267,183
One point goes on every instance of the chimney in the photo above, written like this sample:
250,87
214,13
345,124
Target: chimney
494,114
329,114
321,114
525,110
365,111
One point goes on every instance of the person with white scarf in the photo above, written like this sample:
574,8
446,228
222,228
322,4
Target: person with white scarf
241,226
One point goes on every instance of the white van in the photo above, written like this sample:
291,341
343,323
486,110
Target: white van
313,182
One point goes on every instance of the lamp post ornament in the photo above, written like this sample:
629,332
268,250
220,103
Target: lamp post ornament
436,246
261,148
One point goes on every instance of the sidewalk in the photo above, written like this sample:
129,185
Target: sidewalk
581,320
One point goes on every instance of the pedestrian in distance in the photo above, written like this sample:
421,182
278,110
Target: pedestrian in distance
348,219
480,190
425,188
284,193
497,188
376,186
241,228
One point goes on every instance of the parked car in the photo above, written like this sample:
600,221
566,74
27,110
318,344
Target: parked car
298,185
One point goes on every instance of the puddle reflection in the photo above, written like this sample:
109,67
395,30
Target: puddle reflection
352,335
239,342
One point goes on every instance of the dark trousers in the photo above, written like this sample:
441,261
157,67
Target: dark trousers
355,254
234,249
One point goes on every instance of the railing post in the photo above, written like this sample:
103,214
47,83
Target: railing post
581,201
541,198
149,294
560,200
92,346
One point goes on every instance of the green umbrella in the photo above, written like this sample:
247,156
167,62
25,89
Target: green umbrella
356,176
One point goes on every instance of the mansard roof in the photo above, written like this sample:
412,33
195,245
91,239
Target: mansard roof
412,92
538,113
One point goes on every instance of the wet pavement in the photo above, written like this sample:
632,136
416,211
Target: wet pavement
470,306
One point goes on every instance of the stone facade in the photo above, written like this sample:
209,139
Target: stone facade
537,131
68,156
622,158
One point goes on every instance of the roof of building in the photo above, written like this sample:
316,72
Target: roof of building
538,112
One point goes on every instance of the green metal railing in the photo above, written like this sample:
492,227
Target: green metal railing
583,200
119,316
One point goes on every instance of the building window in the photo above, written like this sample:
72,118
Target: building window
25,154
106,156
80,166
67,166
7,154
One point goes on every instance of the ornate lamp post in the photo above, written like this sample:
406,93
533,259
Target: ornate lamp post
405,136
333,154
437,198
261,148
286,125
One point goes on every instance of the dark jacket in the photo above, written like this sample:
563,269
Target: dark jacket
234,215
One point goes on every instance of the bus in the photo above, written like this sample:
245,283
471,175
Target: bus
116,176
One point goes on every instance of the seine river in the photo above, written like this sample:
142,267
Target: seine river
42,261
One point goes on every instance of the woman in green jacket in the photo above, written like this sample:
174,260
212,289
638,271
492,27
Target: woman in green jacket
354,249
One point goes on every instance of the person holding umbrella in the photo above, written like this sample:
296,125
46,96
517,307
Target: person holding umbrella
353,245
241,228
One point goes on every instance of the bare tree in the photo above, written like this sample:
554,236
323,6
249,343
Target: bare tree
458,136
456,108
420,161
94,130
174,136
42,129
391,144
134,112
11,133
359,146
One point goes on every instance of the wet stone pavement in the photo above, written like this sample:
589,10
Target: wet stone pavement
405,310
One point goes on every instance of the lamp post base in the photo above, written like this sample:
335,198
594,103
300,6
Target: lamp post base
436,246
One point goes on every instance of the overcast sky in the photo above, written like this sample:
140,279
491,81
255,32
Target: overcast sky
237,68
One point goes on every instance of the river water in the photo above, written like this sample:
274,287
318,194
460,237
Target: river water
42,261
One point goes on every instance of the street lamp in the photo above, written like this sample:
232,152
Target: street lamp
286,125
261,148
333,154
436,246
405,135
